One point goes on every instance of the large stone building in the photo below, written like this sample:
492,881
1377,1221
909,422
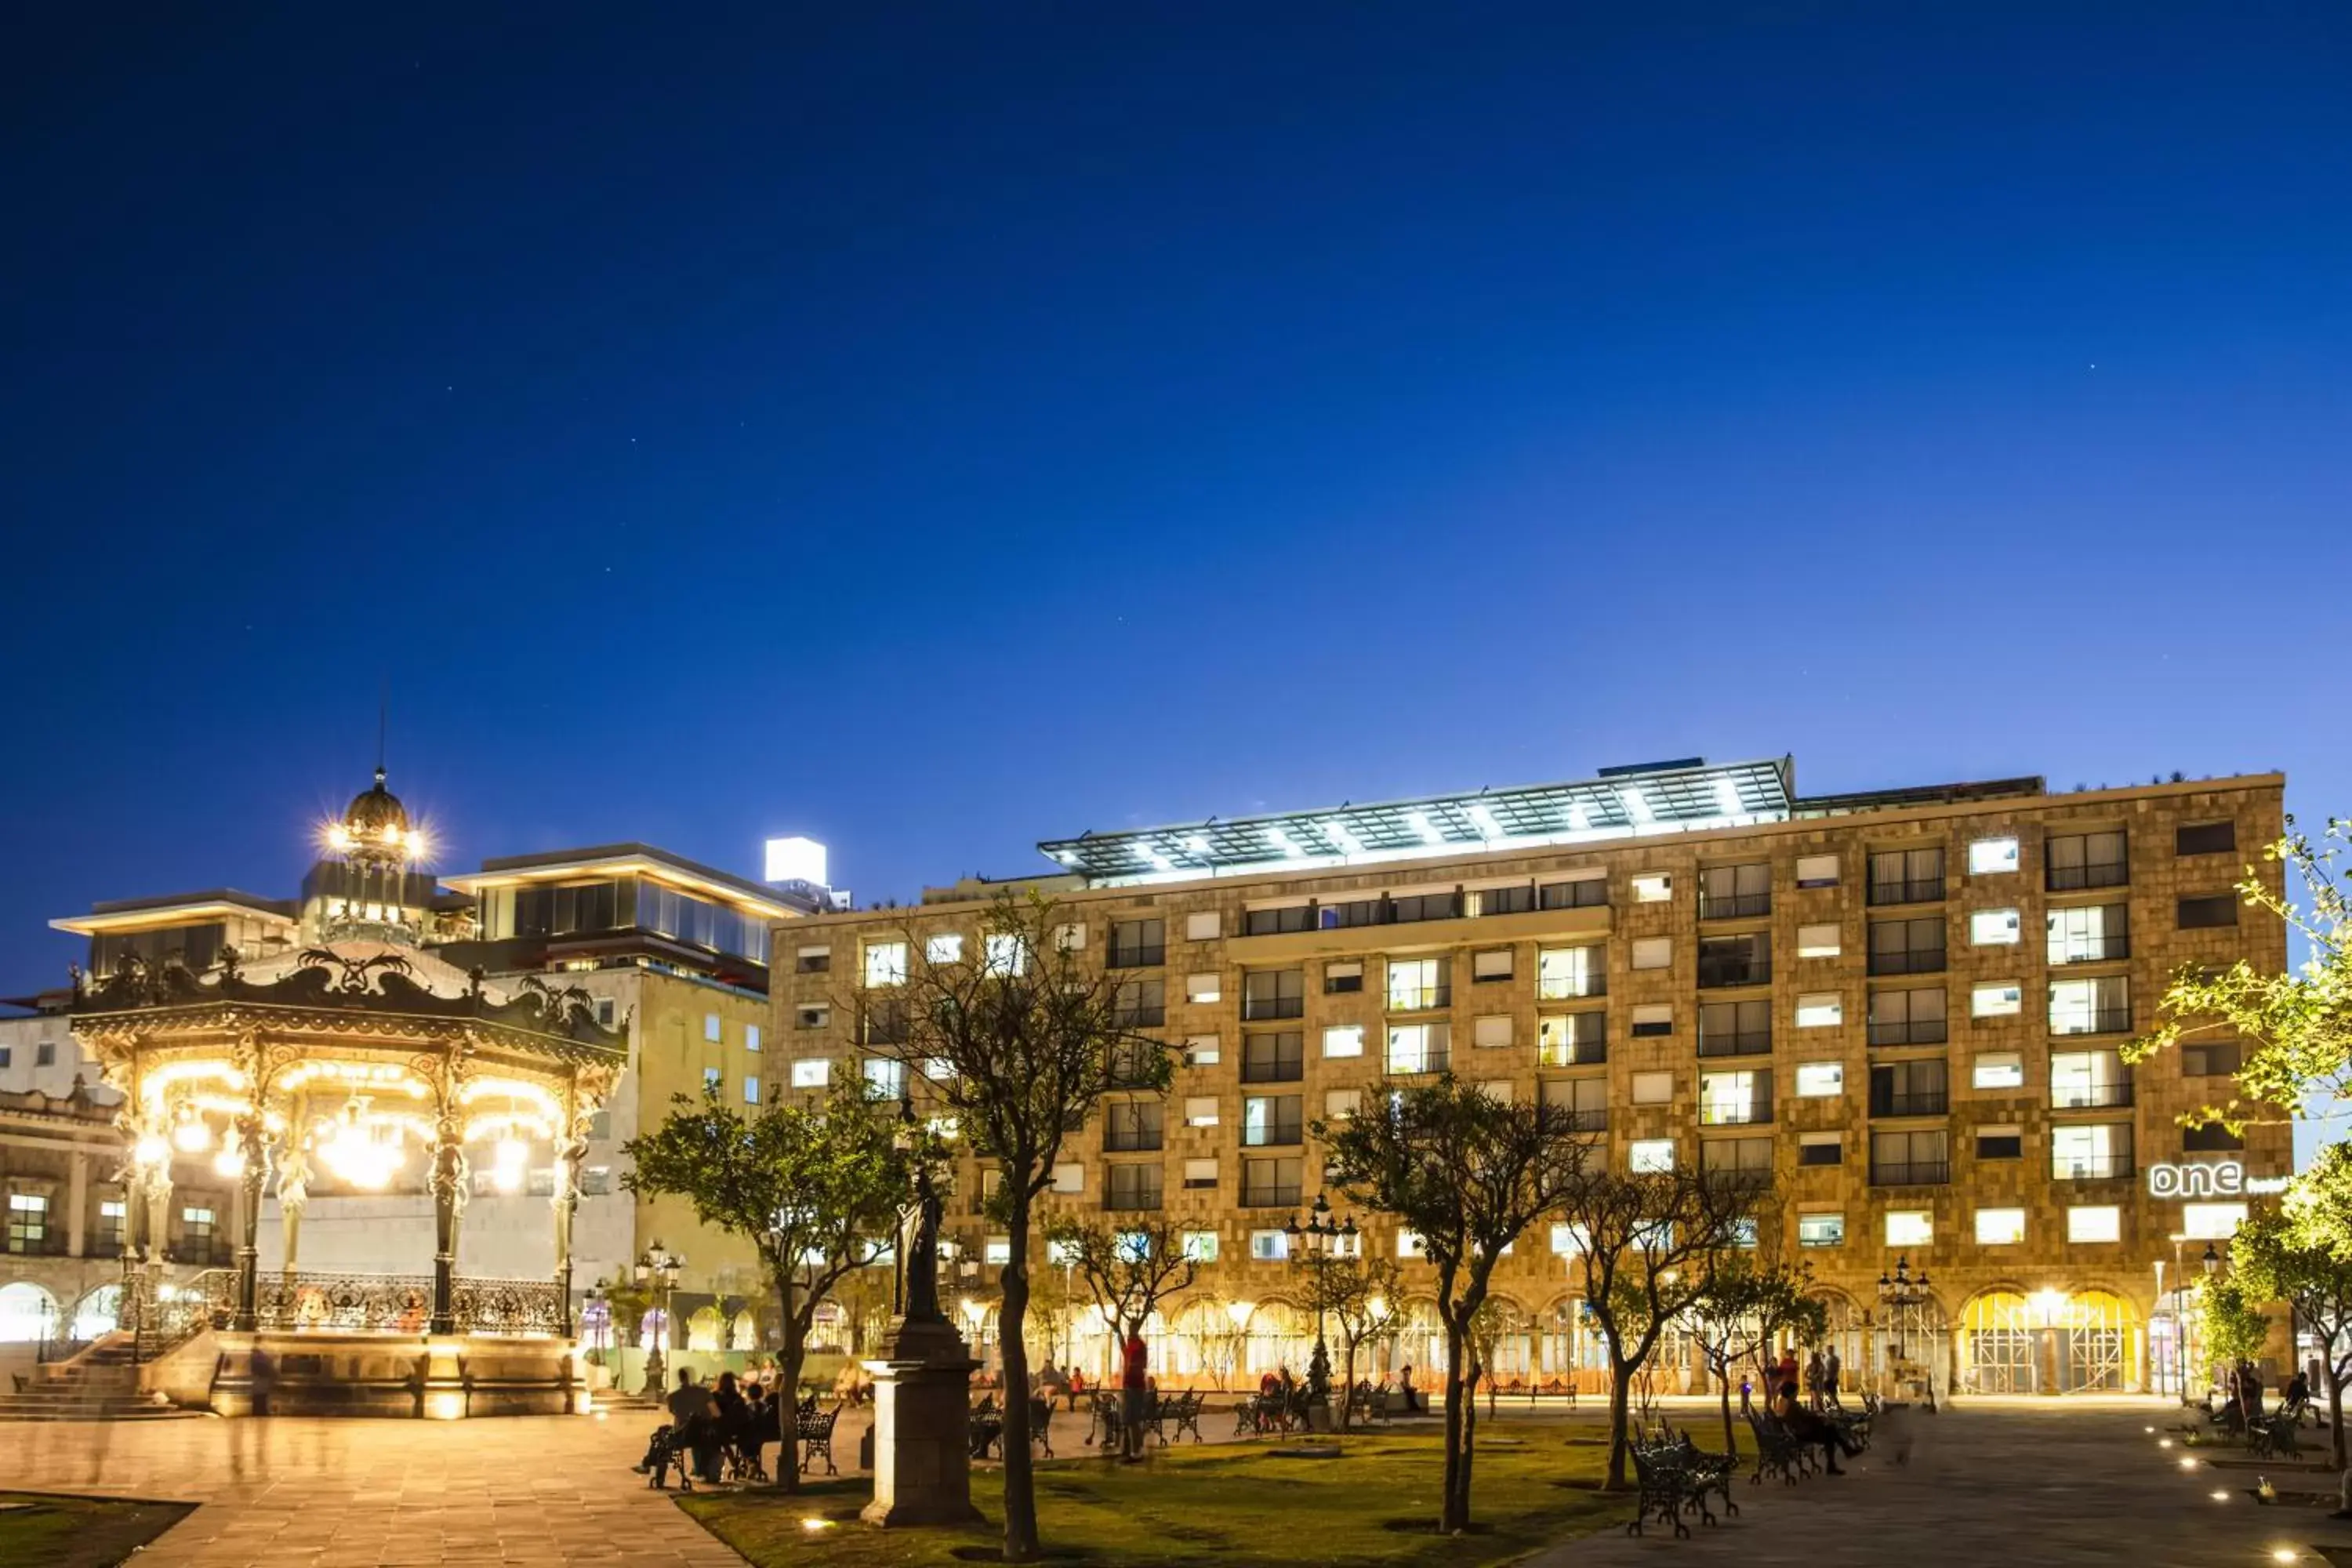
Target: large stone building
1904,1005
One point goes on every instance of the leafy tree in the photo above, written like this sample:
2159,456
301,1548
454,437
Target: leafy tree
1364,1298
816,1188
2298,1023
1638,1235
1745,1304
2296,1252
1496,1321
2231,1327
1467,1172
1019,1034
1128,1270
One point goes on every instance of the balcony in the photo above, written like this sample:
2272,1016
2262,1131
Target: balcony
1907,961
1911,1173
1574,989
1130,1139
1270,1197
1595,1120
1733,906
885,1028
1913,1102
1907,890
2090,950
1276,1069
2089,1096
1142,1015
1755,1113
1573,1053
2089,1167
1131,1067
1137,957
1911,1032
39,1243
1735,1043
2092,874
1407,1065
1256,1009
1283,1132
1420,998
1132,1203
2096,1021
214,1252
1720,971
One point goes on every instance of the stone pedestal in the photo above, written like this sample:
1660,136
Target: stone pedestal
922,1423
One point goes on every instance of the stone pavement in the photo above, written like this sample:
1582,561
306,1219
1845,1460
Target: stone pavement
2022,1482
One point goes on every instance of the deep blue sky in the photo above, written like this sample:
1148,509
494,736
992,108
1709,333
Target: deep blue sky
934,429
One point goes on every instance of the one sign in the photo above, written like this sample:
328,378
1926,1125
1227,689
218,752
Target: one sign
2223,1179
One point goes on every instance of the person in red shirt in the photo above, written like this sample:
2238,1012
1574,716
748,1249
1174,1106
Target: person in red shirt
1134,1396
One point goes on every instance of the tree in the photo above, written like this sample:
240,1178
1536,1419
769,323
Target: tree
2296,1252
1495,1320
2231,1327
1020,1035
1466,1174
1364,1299
1129,1270
2298,1023
1637,1235
1745,1304
814,1188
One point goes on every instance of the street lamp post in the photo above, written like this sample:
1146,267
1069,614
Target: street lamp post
659,1268
1903,1297
1319,1235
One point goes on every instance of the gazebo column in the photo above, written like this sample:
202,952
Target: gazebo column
449,1203
254,1152
566,1204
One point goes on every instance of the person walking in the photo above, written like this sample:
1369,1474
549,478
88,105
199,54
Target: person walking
1832,1370
1404,1386
1816,1376
1134,1396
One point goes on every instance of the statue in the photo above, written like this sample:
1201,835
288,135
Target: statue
923,1261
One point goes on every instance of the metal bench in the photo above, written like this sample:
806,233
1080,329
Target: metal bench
814,1430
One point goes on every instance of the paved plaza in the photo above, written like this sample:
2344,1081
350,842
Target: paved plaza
2022,1483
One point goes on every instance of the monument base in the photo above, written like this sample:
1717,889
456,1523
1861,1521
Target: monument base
436,1377
923,1428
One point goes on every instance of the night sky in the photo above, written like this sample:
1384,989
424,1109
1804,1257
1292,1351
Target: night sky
933,429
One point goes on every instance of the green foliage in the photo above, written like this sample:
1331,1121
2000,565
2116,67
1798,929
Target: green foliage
1746,1303
1128,1270
2232,1328
2297,1026
2292,1253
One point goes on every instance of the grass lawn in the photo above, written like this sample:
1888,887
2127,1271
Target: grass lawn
42,1530
1231,1503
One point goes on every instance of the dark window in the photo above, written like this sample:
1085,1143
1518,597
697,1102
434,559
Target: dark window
1274,993
1646,1027
1273,1120
1907,875
812,962
1130,1126
1275,923
1913,1017
1131,1187
1734,1028
1140,1004
45,1054
1731,892
1507,900
1735,960
1907,947
1821,1154
1737,1156
1338,978
2001,1145
2205,838
2209,1139
1270,1184
2085,860
7,1055
1130,1062
1354,912
1584,893
1274,1058
1137,944
1909,1088
1425,907
2217,1059
2214,910
1910,1158
1585,1100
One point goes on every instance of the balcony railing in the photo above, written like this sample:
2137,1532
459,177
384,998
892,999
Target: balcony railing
1734,972
2089,1167
1907,961
2094,874
1404,1065
1255,1009
1129,1201
1273,1198
2097,1021
1151,1016
44,1243
2090,950
1573,1053
1119,1140
1595,1120
1755,1113
216,1253
1419,998
1911,1173
1907,890
1572,990
1735,1043
1137,957
1281,1069
1276,1135
2090,1096
1913,1102
1911,1032
1733,906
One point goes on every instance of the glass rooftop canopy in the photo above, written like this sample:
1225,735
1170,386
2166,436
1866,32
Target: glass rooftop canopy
1621,802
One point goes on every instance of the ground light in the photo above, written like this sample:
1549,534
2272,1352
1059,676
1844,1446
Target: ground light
813,1524
2164,1442
2221,1497
2187,1463
2284,1554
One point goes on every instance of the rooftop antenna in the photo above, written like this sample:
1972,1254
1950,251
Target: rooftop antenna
383,721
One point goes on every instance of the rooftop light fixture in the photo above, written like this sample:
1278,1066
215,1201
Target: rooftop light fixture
1484,820
1197,845
1341,840
1419,822
1282,841
1635,806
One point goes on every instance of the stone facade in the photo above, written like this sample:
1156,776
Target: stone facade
1924,1091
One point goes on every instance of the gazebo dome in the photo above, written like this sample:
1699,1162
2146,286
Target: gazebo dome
376,826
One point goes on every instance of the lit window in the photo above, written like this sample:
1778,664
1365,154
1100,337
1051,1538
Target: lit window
1999,1000
2212,1222
1202,988
885,963
2094,1221
1819,1081
710,1078
1070,1177
1201,1110
2090,1006
1817,870
1995,927
1202,925
1654,952
751,1091
1562,973
948,949
750,1036
1070,938
1654,889
1415,984
1651,1019
1344,1040
2000,1227
1909,1227
812,1072
885,1076
1653,1088
997,1250
1269,1246
1820,1149
1820,1230
1991,857
1650,1154
1820,1010
1419,1047
1734,1099
1339,1103
1491,1031
1493,964
1005,953
1998,1069
1567,1240
1199,1050
1200,1245
711,1028
1818,941
1410,1246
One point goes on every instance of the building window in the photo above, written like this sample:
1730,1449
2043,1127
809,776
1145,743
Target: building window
1136,944
595,1181
1653,1088
607,1012
2002,999
1820,1080
1199,1245
1907,947
885,1076
1418,984
1202,1050
1910,1088
939,1070
1343,1040
1343,977
1070,938
1142,1004
1820,1149
1202,989
1585,1100
710,1026
1133,1126
1908,1018
1650,1154
996,1251
1655,887
1817,870
1734,1099
1734,960
811,960
816,1017
1735,892
1201,1110
599,1126
1409,1246
751,1091
8,1056
1563,973
1278,920
2217,910
2100,1006
1820,1010
885,963
1995,927
1567,1240
28,1222
1420,1048
1909,1227
812,1072
1907,875
1341,1103
1270,1184
1272,1120
1735,1028
2096,934
1654,952
1132,1186
711,1076
1820,1230
1651,1019
1737,1157
1204,925
1069,1177
1491,1032
2205,838
1571,1039
2083,1080
1003,954
2212,1222
2217,1059
2073,860
2211,1138
2096,1151
2095,1223
1199,1174
1489,965
1992,857
1919,1159
2000,1227
1822,941
1998,1069
2001,1143
1579,892
1269,1246
1274,1058
752,1037
1274,993
947,948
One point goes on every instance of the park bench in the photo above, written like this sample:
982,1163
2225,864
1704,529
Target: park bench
1182,1411
1674,1475
1777,1452
1366,1402
813,1429
2274,1436
985,1429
